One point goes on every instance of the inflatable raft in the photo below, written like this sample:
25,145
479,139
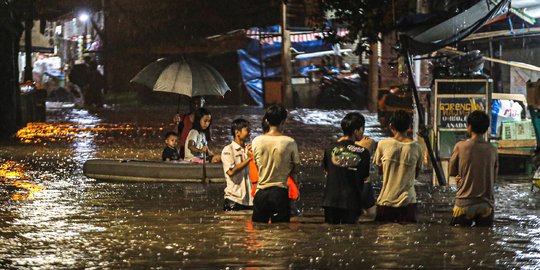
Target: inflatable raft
152,171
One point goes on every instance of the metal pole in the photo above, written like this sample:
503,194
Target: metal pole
373,79
423,132
261,61
286,89
28,24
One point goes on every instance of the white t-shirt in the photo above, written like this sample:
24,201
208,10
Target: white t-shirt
275,156
399,161
238,187
200,142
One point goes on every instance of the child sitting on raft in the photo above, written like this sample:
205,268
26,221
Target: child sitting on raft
170,152
196,146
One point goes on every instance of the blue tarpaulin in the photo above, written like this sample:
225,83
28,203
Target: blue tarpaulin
249,60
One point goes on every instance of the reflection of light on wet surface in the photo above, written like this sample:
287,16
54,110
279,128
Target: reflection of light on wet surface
333,118
12,176
67,132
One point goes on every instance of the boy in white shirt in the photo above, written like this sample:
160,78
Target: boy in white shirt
236,157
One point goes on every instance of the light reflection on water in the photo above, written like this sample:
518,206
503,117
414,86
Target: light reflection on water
76,222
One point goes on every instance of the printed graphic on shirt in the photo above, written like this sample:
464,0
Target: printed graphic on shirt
347,156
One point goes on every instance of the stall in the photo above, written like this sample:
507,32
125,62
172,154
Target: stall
454,99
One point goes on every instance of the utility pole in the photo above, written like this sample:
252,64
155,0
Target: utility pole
28,24
286,89
373,76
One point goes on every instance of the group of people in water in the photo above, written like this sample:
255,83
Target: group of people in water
262,176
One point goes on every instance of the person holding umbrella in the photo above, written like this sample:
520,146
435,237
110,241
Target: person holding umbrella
184,122
184,77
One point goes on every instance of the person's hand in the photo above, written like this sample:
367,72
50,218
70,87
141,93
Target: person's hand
177,118
216,159
204,149
249,151
365,142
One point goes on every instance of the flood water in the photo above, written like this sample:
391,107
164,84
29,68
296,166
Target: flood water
53,217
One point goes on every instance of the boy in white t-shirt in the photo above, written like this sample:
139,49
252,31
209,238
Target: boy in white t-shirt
236,157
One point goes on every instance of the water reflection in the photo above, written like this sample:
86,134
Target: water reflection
16,182
70,221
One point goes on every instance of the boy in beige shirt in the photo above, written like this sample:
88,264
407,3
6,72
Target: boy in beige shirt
474,164
276,157
399,160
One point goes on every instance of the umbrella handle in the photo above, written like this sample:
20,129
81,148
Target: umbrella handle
178,106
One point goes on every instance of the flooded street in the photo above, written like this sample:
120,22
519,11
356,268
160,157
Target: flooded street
53,217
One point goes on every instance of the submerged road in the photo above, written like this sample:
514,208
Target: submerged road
53,217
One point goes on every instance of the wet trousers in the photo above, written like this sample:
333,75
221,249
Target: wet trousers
271,204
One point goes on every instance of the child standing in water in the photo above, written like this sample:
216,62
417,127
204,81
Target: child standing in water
236,157
347,168
474,163
196,146
276,156
399,160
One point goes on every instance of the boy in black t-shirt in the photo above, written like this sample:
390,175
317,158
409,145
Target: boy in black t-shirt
170,152
347,167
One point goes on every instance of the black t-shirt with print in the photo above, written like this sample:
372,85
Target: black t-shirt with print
347,166
170,153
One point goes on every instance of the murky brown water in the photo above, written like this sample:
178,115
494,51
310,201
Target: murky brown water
52,217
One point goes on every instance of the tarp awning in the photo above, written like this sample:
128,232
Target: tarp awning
424,39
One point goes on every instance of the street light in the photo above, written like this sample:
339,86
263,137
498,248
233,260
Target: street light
83,17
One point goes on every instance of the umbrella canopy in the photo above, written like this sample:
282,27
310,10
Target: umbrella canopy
182,77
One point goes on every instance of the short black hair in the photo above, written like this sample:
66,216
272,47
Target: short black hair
170,133
199,113
275,114
238,124
400,121
479,122
351,122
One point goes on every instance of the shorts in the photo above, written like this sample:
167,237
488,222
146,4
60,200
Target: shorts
229,205
333,215
271,204
481,214
396,214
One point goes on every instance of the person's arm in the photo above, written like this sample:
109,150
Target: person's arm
234,169
364,166
295,162
323,164
367,143
453,167
193,148
377,159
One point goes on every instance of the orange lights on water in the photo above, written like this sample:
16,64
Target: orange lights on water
68,132
13,177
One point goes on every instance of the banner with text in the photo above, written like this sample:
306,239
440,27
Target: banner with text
453,111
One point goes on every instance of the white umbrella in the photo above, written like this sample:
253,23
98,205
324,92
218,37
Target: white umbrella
190,78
